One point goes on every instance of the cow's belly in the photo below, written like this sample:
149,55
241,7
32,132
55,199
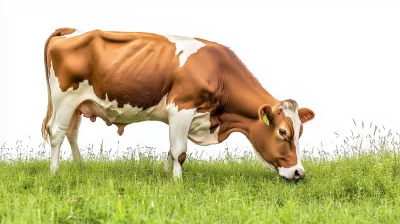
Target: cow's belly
91,106
112,114
199,131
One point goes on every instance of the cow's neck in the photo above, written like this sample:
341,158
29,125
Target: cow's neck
243,98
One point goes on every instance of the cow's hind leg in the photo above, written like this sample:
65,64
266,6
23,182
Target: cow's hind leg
72,135
169,162
58,127
179,124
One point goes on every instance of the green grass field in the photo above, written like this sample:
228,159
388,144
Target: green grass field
358,187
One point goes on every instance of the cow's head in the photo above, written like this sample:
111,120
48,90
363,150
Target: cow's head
275,137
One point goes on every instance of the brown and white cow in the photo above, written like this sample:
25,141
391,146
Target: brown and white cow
201,89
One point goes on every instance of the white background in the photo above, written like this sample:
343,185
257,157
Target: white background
339,58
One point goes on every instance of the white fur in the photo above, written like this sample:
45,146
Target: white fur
188,46
289,172
74,34
179,125
199,133
183,124
265,163
293,115
200,130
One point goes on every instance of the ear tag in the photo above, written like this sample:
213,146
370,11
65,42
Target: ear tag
265,119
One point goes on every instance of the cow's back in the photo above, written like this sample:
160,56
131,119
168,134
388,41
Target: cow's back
132,68
131,77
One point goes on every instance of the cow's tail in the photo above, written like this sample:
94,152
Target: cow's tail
49,113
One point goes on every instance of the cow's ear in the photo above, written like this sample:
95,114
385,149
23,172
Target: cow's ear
306,114
265,114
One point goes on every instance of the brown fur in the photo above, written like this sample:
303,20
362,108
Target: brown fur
182,158
153,58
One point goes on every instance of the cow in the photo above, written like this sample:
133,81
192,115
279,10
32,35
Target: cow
199,88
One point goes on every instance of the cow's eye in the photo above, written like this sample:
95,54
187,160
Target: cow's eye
282,132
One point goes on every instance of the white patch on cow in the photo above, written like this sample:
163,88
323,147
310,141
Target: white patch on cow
74,34
199,131
292,113
58,124
188,46
289,173
179,125
265,163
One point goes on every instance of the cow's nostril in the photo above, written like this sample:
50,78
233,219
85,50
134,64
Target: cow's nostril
296,174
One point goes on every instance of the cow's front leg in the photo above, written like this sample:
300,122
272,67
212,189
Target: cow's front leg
179,124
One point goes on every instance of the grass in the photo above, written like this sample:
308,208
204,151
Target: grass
353,185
